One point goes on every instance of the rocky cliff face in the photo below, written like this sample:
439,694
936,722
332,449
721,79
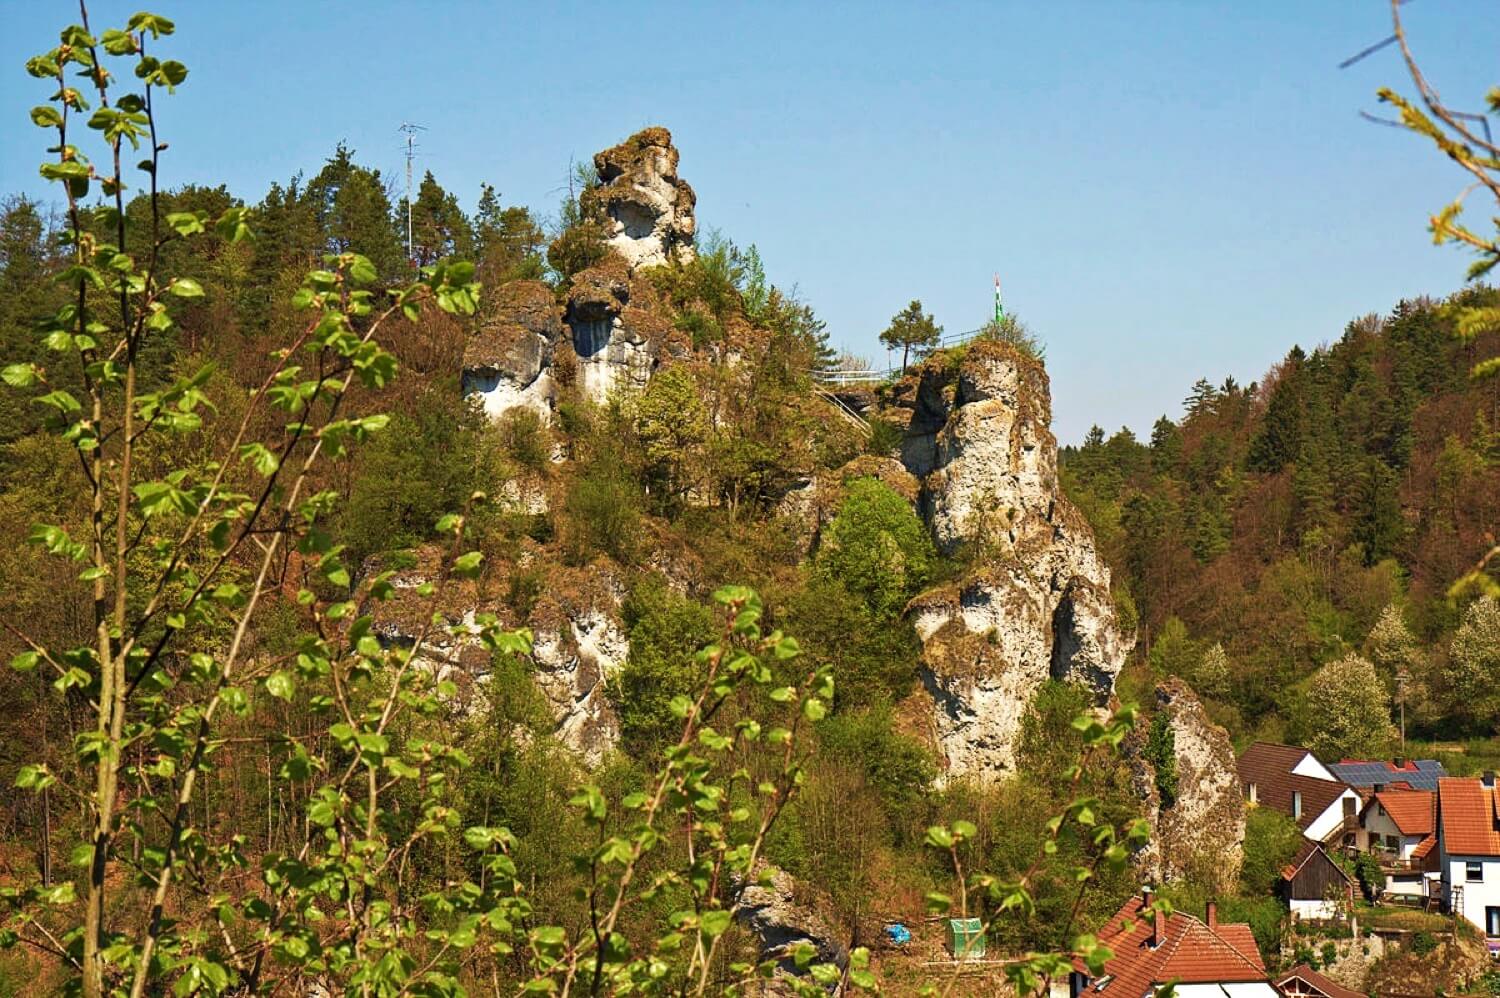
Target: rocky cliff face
617,336
1200,835
648,207
1038,605
508,362
579,643
607,333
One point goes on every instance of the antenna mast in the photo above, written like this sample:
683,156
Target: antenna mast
410,130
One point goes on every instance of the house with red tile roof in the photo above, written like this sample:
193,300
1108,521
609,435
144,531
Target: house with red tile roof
1304,982
1468,848
1396,826
1292,780
1201,958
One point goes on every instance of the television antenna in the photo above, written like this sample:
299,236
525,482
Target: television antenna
410,130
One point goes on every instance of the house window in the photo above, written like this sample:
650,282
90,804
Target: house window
1391,842
1296,803
1474,872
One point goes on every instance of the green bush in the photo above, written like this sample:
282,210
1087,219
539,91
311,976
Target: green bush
1422,943
1271,840
899,768
875,658
603,515
525,439
885,437
665,632
1161,752
877,548
1265,915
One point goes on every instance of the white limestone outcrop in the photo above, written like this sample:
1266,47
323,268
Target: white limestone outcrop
1038,603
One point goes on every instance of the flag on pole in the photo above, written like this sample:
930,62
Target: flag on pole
999,309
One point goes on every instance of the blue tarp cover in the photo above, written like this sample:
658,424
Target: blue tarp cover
898,933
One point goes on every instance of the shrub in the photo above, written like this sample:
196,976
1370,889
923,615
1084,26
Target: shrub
877,548
665,632
1161,752
525,439
885,437
1422,943
603,515
1271,840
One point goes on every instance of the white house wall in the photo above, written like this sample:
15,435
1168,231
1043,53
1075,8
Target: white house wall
1317,910
1332,817
1476,896
1310,766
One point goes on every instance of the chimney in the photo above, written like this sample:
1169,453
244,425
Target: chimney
1158,922
1379,788
1211,915
1489,778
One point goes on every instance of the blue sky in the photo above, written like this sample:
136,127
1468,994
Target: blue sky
1169,190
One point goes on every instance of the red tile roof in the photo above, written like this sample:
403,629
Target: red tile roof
1269,767
1189,953
1466,811
1413,811
1424,847
1312,981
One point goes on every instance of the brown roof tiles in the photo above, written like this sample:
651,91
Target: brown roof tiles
1269,767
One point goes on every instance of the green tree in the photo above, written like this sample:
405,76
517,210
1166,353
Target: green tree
353,213
877,548
1348,711
509,242
439,226
911,329
1469,676
1271,840
1211,676
672,425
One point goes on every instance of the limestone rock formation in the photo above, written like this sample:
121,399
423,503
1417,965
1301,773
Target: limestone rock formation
1200,835
1039,603
579,643
507,362
647,207
617,336
782,923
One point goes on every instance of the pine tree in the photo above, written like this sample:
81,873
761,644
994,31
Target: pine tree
508,242
353,213
1281,433
439,227
911,329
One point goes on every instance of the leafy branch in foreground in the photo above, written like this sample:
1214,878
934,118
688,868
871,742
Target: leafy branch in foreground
1455,134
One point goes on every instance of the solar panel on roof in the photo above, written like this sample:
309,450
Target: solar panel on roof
1365,774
